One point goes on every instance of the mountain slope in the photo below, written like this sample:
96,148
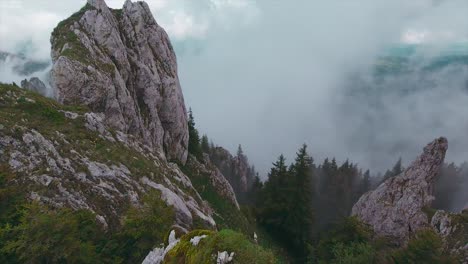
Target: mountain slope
69,158
112,153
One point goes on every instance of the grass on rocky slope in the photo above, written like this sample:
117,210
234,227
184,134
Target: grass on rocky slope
34,233
226,214
207,249
62,35
21,108
22,111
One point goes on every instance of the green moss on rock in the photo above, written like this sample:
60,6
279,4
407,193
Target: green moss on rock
63,35
207,249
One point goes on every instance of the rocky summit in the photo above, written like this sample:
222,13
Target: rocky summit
121,63
396,208
34,84
119,130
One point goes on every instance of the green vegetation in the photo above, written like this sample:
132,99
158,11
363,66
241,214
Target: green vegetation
285,207
143,229
226,240
425,247
285,203
45,235
227,215
77,236
63,35
350,241
194,146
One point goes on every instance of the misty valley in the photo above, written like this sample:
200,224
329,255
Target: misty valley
233,131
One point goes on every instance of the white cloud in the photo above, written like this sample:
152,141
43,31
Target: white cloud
184,25
25,25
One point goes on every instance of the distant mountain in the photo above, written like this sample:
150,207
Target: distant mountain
411,58
21,65
408,90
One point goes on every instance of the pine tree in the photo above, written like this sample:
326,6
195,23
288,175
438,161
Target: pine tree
255,191
366,184
396,170
273,208
205,146
300,218
240,152
194,147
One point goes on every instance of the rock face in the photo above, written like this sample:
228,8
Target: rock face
236,169
395,208
217,179
121,63
34,84
71,159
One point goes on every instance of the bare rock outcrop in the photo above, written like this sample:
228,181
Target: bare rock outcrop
236,169
122,64
34,84
216,178
395,208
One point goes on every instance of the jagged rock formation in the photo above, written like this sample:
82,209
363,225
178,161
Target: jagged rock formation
236,169
217,179
121,63
395,208
34,84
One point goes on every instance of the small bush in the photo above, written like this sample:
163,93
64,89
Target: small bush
21,100
47,236
143,229
354,253
348,236
425,247
53,115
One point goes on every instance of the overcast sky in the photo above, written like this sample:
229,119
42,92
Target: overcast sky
272,74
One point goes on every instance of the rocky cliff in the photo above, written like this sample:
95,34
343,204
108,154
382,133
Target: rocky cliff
34,84
401,206
121,63
121,131
66,156
236,169
396,208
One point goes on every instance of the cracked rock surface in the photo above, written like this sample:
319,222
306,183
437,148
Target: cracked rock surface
395,208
